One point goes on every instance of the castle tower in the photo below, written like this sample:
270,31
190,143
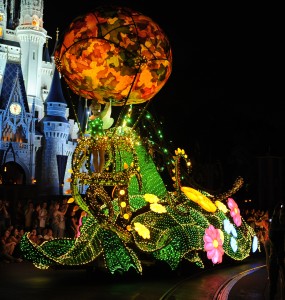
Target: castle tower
56,149
32,36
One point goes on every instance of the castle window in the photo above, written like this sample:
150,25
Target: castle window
14,136
34,55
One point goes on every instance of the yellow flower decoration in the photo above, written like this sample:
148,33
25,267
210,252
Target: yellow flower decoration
151,198
142,230
70,171
70,200
158,208
221,206
199,198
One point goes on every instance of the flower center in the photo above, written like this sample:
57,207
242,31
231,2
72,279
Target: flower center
215,243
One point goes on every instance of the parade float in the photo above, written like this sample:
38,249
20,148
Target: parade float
119,56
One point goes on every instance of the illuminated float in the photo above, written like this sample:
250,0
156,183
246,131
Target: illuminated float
120,56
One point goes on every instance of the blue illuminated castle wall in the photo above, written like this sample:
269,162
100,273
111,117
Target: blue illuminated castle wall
35,135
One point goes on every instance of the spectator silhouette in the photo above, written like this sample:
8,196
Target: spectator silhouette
29,215
19,215
43,215
58,221
71,222
3,213
276,259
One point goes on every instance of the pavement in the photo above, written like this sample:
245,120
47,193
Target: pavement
247,280
239,280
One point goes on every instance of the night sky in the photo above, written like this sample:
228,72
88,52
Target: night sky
222,101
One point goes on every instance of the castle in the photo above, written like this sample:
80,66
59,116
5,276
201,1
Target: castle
37,138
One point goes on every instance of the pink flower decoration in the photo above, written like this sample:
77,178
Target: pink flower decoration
234,211
213,244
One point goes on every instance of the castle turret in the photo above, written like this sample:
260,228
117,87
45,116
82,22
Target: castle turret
55,128
32,36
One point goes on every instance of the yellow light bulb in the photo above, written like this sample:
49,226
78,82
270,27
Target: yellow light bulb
126,216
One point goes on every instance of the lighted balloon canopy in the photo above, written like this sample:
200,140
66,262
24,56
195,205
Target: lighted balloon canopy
114,53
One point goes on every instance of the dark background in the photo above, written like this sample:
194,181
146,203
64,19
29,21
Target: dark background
223,102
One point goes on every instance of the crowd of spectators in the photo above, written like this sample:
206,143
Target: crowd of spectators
259,220
42,221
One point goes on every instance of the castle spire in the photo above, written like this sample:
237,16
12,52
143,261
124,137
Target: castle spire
55,93
56,41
